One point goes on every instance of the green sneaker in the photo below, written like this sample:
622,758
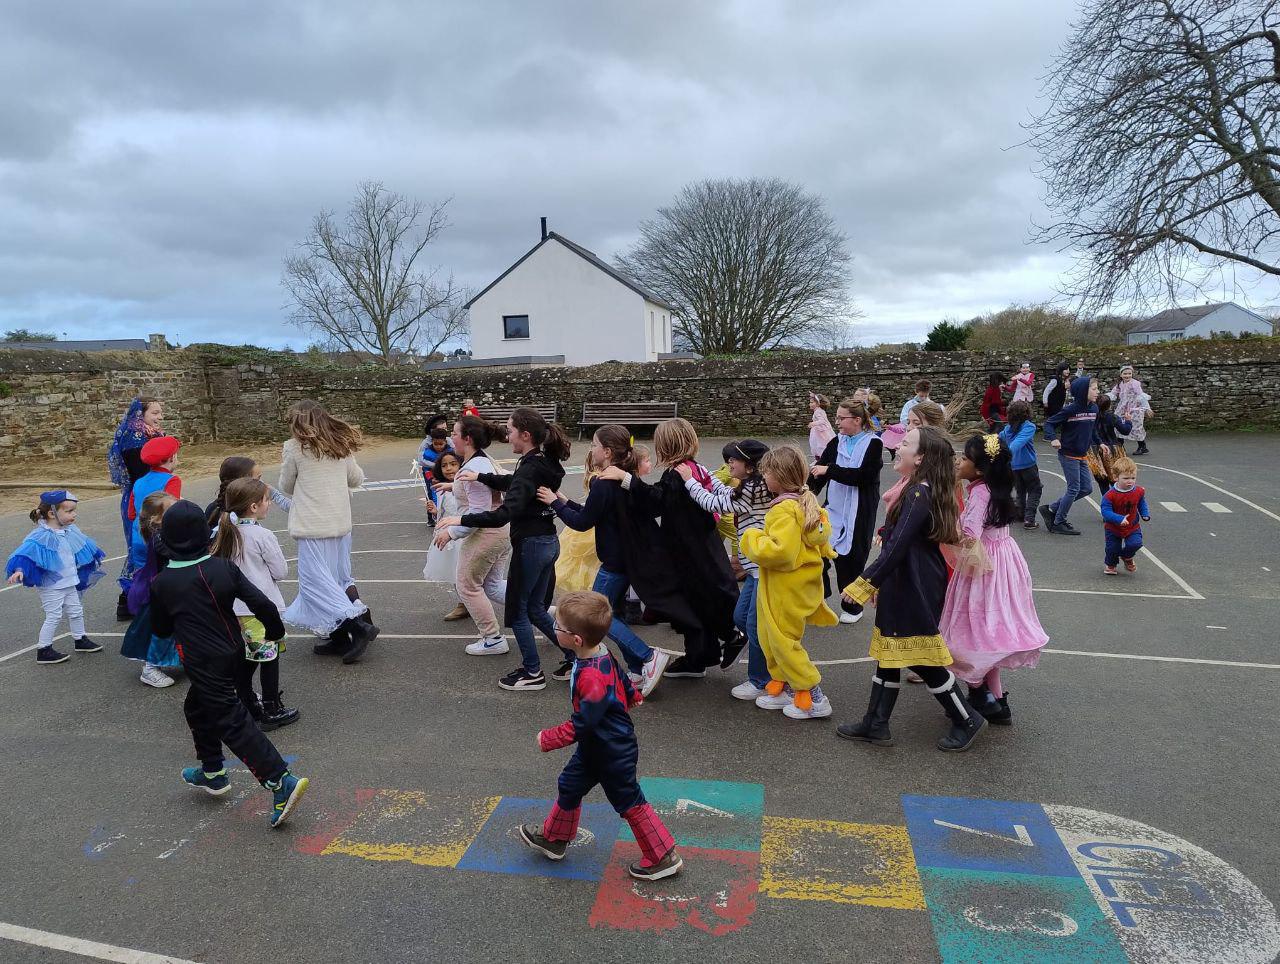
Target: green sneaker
287,791
214,783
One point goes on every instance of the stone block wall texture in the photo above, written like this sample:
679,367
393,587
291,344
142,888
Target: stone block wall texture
59,403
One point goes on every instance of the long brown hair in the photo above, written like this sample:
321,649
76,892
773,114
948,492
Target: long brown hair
937,470
548,436
480,432
241,494
321,434
233,467
791,471
153,509
617,439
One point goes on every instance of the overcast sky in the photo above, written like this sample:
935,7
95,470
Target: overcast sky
157,160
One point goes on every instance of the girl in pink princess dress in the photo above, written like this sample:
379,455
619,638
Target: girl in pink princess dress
820,430
989,619
1023,383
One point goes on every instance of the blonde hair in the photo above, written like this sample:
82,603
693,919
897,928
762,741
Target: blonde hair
641,453
676,441
240,495
873,404
586,614
1123,465
153,509
321,434
790,470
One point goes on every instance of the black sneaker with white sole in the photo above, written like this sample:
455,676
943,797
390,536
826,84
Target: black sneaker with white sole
531,834
681,668
86,645
520,679
563,671
668,866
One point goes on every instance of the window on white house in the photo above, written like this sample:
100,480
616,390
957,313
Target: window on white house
515,326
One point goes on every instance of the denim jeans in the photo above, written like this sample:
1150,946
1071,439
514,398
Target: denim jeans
1079,485
535,558
744,617
1122,547
613,586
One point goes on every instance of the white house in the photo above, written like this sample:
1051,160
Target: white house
561,299
1202,321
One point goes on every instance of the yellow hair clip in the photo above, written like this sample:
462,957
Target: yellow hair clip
991,443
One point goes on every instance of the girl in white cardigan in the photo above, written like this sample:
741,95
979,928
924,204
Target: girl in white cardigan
319,474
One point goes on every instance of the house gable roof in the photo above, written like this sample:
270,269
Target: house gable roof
586,255
1180,319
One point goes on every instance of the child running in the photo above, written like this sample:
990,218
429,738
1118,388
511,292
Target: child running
992,407
243,539
909,578
192,599
1023,384
62,563
157,653
989,620
607,751
790,550
1019,436
820,430
1122,507
603,515
1078,425
850,468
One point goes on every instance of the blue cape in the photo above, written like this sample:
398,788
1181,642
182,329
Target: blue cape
38,561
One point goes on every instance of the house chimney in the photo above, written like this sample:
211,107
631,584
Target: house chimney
544,229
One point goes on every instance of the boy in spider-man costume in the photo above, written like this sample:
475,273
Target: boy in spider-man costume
607,750
1123,505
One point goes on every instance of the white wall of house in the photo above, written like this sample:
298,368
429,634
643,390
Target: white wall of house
1229,318
574,309
657,329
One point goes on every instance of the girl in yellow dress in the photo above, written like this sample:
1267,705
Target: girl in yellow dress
790,550
577,564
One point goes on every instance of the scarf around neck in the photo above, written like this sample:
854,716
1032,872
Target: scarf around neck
843,499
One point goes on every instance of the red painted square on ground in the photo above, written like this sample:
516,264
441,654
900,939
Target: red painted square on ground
336,812
715,893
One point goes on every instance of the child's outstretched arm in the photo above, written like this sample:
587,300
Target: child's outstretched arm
914,519
593,695
719,498
262,607
776,546
1109,514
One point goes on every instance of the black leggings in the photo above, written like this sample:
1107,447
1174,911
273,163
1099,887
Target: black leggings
934,676
270,681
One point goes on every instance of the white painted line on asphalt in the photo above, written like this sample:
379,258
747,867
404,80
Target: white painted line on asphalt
1165,659
1217,507
1182,583
30,648
1215,627
1105,592
1172,507
84,948
1216,488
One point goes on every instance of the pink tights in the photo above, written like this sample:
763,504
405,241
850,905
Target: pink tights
992,680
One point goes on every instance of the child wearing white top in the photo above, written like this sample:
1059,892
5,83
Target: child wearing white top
254,548
442,561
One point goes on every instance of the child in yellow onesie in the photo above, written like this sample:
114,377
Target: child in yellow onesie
790,551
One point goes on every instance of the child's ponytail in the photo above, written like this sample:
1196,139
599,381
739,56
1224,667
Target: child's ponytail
241,495
228,542
790,472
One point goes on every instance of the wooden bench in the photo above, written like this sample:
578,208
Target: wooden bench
629,414
500,412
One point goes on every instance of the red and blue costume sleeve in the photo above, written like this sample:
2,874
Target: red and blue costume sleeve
595,693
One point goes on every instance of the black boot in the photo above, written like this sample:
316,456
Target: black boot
995,710
362,634
276,715
1142,449
353,594
966,722
122,607
254,706
337,643
874,727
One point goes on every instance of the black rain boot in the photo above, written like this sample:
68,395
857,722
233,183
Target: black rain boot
276,714
1142,449
122,607
254,705
337,643
362,634
966,722
874,728
353,594
1005,716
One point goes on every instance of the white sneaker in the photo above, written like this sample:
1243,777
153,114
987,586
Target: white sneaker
154,677
821,707
746,690
653,670
488,647
637,679
850,618
782,700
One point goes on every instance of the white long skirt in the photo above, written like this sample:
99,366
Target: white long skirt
324,573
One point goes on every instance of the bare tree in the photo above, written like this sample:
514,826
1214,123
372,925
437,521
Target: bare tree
747,265
1160,146
358,283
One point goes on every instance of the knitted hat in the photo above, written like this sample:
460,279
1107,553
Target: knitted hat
57,497
160,450
1126,368
184,531
748,450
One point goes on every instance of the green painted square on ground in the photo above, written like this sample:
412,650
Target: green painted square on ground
714,814
981,917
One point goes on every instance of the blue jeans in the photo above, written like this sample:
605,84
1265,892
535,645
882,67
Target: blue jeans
1079,485
613,586
744,617
535,558
1122,547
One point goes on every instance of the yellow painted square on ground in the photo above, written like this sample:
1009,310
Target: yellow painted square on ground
848,863
426,829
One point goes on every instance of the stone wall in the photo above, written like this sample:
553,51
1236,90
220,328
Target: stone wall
55,403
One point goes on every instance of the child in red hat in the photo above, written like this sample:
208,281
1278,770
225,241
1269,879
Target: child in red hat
162,455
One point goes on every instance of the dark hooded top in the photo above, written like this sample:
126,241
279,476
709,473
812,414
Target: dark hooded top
520,505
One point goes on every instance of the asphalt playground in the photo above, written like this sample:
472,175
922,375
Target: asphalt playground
1129,814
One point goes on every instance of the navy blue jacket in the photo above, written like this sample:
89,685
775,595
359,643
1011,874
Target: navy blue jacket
1076,426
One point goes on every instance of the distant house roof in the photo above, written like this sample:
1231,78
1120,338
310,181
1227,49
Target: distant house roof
582,252
109,344
1179,319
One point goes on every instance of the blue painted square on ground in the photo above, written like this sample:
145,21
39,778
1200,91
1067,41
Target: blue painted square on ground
714,814
994,835
498,848
986,918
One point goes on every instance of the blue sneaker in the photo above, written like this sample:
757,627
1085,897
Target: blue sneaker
214,783
48,656
287,792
